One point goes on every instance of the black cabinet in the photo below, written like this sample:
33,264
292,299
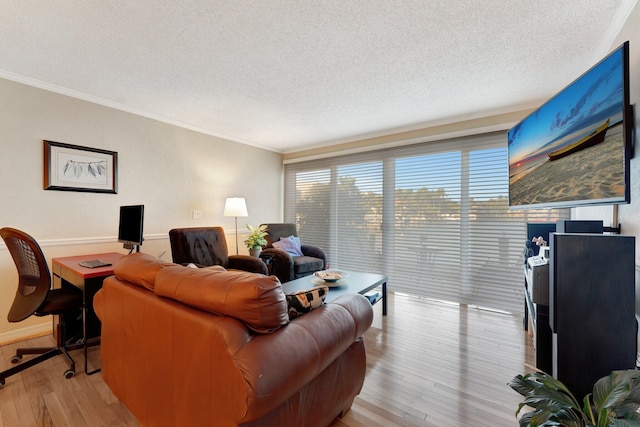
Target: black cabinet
591,307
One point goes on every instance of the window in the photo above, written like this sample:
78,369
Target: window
434,217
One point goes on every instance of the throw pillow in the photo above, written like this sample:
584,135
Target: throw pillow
210,267
290,245
303,302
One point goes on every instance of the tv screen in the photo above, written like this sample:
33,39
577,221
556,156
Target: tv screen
575,149
131,224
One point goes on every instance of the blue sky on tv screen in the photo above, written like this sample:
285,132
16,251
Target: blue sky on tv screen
581,107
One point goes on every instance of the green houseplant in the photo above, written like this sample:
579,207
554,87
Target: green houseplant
615,401
256,239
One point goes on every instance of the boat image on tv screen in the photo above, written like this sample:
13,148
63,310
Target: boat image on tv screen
573,150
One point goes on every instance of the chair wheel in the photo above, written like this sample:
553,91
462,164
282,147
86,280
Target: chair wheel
16,359
69,374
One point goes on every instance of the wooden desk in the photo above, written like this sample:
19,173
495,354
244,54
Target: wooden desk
68,272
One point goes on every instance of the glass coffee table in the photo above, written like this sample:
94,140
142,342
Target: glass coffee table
354,283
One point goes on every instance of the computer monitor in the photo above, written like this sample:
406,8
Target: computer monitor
130,228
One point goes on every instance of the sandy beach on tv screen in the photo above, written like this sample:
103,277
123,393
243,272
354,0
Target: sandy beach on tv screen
593,173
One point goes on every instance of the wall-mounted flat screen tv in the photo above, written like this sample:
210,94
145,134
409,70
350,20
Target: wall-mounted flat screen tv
575,149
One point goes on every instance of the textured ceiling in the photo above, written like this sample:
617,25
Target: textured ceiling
288,75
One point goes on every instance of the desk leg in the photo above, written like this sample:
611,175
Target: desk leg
87,297
87,342
384,299
84,335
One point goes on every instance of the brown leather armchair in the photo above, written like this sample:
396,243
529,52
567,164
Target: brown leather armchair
206,246
286,266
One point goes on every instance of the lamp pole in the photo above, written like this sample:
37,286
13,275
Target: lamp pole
236,235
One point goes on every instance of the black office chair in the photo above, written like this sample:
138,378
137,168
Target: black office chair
35,297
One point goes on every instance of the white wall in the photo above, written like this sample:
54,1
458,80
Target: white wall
171,170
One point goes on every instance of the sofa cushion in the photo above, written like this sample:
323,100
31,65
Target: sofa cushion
255,299
140,269
307,264
302,302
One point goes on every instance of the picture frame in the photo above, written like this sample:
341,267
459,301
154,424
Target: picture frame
70,167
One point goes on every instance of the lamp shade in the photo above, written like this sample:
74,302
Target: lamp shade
235,206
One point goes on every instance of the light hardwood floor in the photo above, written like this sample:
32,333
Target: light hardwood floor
429,364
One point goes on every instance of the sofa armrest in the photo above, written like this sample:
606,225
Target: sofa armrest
248,263
154,348
282,264
306,346
316,252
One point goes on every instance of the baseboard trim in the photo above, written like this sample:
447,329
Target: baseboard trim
21,334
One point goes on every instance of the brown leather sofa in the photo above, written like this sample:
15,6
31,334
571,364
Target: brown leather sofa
210,347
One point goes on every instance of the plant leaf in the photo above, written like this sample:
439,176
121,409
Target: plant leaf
553,404
603,418
616,401
612,391
540,387
521,385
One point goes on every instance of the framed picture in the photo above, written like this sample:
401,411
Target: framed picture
74,168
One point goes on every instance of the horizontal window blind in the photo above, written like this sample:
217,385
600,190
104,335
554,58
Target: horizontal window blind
434,217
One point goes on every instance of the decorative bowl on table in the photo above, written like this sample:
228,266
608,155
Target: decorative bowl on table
330,276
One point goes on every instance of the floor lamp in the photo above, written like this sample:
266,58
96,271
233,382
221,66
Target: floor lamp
235,207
